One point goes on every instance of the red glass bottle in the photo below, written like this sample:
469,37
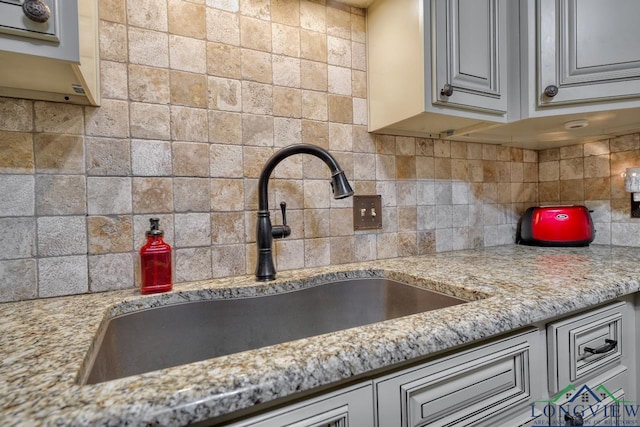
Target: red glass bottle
155,261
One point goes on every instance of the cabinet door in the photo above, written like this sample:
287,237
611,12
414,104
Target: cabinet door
350,407
470,54
588,50
13,21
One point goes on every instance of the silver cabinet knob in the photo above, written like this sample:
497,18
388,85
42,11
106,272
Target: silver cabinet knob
447,90
551,91
36,10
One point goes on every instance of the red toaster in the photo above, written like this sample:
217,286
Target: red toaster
556,226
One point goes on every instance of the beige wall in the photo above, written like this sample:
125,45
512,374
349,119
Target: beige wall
196,96
592,174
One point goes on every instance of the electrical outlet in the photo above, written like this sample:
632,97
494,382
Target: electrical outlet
367,212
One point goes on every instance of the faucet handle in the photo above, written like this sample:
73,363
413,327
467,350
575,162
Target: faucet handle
283,208
280,231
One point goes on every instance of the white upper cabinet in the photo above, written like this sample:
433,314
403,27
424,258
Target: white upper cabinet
527,73
52,55
589,51
470,54
436,66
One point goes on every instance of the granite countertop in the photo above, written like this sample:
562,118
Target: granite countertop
43,343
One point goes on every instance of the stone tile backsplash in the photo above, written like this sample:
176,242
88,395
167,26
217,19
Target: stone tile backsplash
196,95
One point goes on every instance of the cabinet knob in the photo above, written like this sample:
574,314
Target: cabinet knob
36,10
447,90
551,91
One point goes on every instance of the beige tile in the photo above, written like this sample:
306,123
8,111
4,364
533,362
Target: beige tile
596,148
517,154
108,195
286,71
359,56
57,236
441,148
257,66
572,168
62,154
112,41
257,130
549,191
18,278
340,109
227,195
108,234
622,160
286,131
227,228
255,158
549,155
223,27
625,143
517,172
256,8
405,167
257,98
113,80
489,172
148,47
224,60
287,102
285,12
425,167
225,94
387,245
339,80
16,153
255,34
191,194
315,132
187,19
152,195
571,152
18,238
188,89
110,272
530,156
112,10
489,152
363,141
59,195
313,46
359,83
313,16
459,170
149,84
18,197
549,170
340,137
186,54
58,118
314,75
58,276
407,244
187,124
597,188
151,158
474,151
193,264
149,14
190,159
475,170
338,52
225,127
358,28
286,40
338,22
228,260
572,190
315,105
425,147
192,229
596,166
530,172
226,161
317,252
289,254
150,121
342,250
108,156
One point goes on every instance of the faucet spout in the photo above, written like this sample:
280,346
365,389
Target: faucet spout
265,269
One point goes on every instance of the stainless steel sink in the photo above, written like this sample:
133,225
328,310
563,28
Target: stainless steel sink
174,335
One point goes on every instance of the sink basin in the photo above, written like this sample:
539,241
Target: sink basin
177,334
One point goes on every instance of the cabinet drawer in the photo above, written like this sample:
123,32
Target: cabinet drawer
584,345
474,387
599,402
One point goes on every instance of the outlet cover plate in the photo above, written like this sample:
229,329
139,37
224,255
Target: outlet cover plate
367,212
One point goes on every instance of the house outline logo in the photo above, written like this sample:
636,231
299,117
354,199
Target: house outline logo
587,402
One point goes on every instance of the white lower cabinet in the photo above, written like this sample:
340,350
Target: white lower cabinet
349,407
489,385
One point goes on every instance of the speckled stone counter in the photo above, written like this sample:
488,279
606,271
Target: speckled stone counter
43,343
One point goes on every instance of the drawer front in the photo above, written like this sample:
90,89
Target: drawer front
583,346
475,387
13,21
599,402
